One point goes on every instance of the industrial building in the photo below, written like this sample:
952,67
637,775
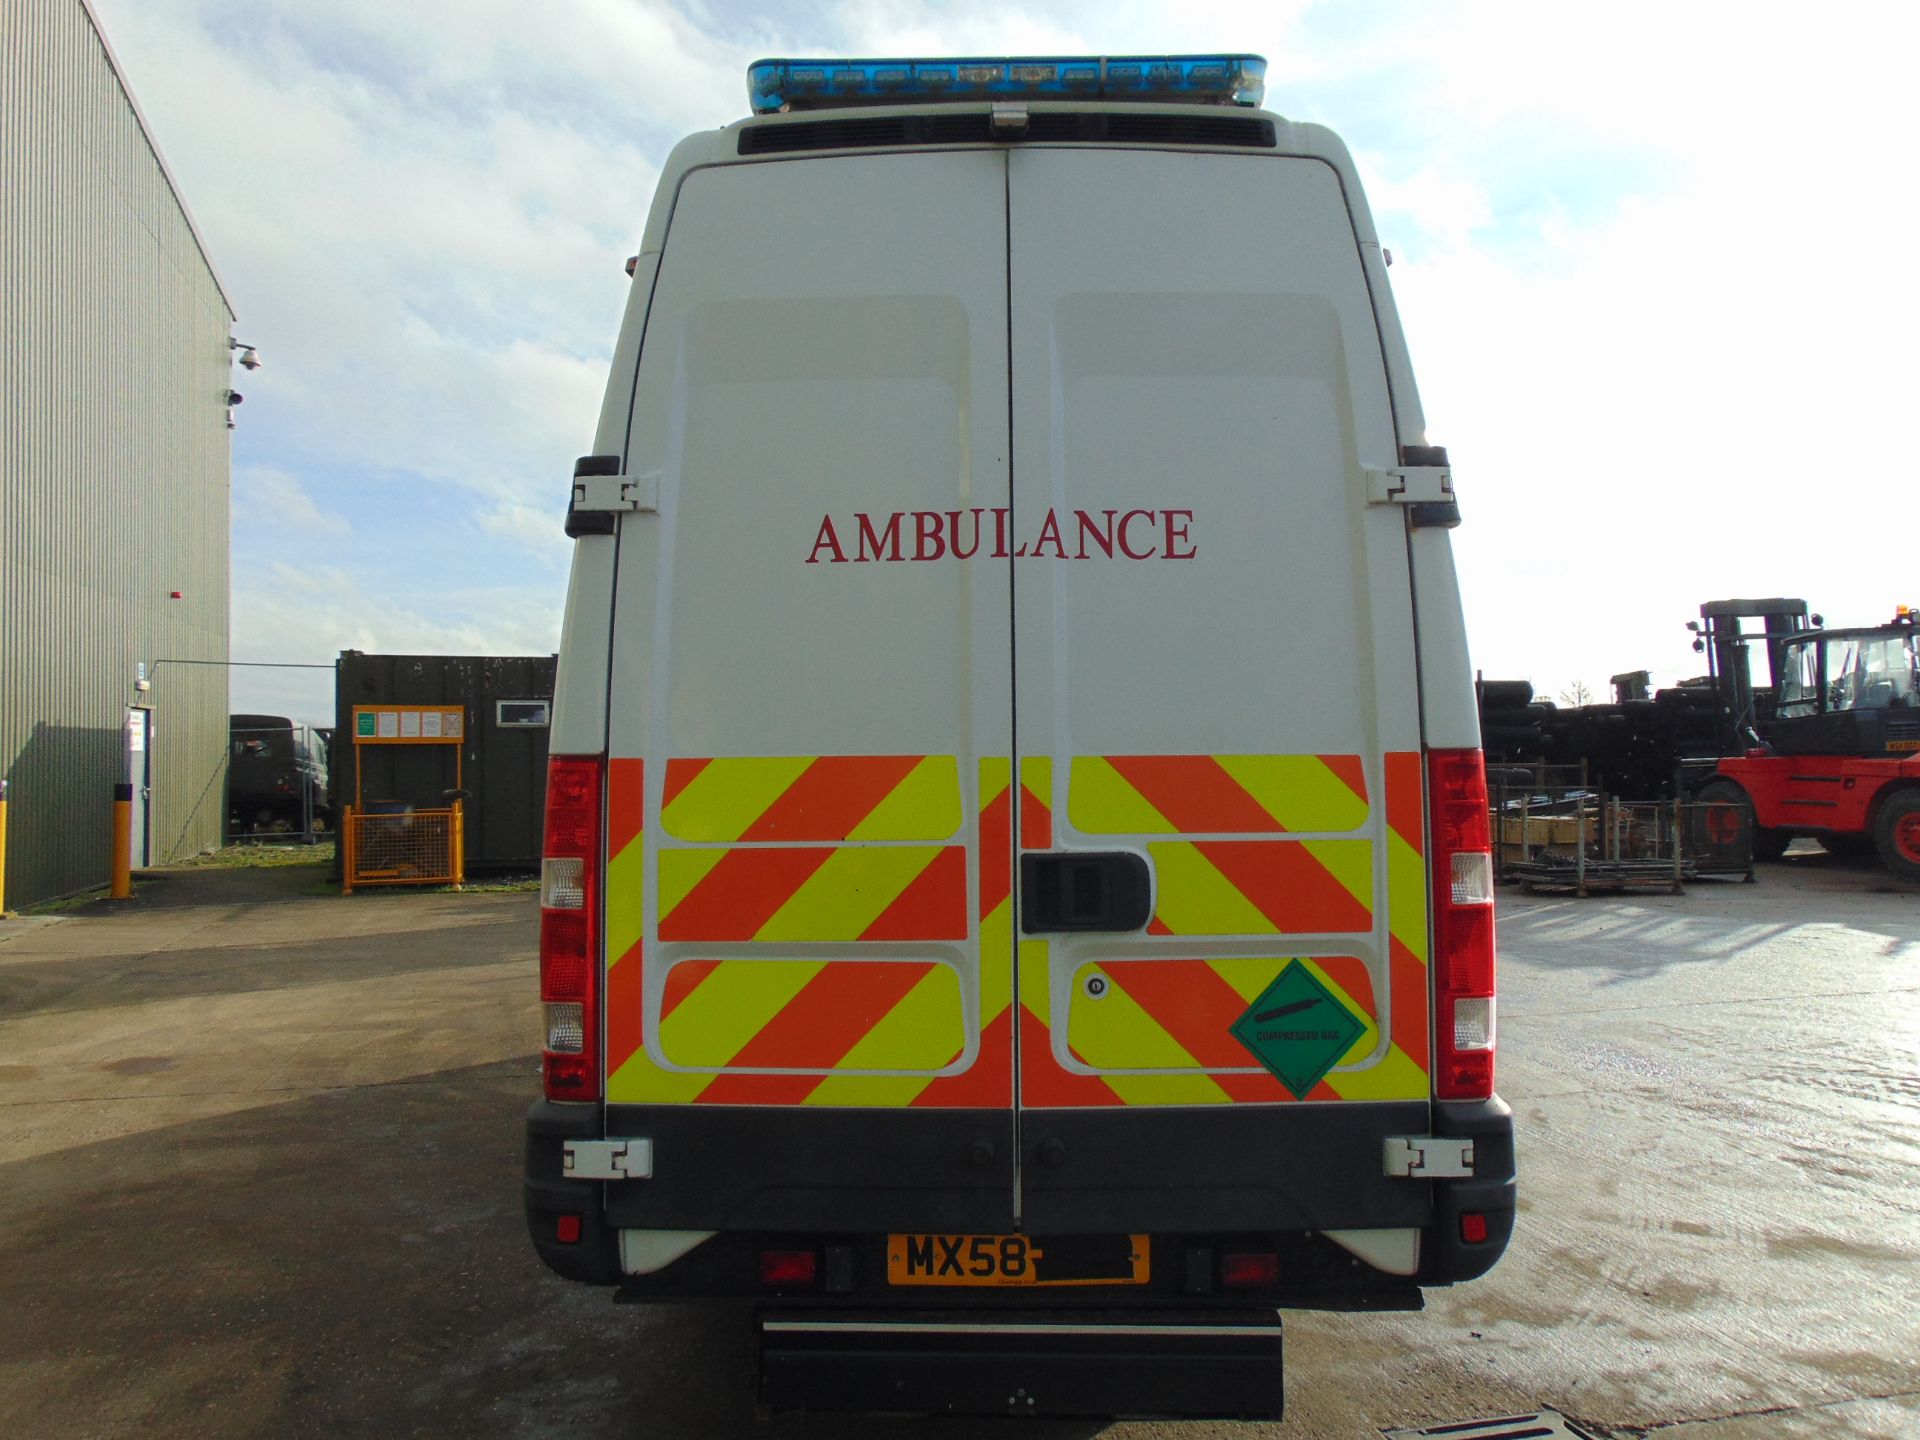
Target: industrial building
114,471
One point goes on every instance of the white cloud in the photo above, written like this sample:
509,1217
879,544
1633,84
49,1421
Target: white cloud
275,498
289,616
1642,260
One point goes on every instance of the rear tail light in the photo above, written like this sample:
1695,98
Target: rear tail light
1473,1227
1463,971
789,1267
1256,1271
570,928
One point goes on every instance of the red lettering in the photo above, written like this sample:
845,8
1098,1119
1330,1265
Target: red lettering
1050,531
1089,527
827,540
1176,534
953,533
939,533
870,539
927,527
1125,522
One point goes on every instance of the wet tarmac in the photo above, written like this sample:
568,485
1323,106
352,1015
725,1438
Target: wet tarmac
259,1176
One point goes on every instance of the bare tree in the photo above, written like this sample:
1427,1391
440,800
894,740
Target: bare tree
1576,694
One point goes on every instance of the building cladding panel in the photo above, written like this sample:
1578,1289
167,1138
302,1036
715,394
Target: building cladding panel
114,368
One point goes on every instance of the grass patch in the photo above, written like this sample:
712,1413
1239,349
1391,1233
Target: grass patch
260,856
73,902
496,885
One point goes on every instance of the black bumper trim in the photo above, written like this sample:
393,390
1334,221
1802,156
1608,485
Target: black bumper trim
1241,1167
595,1257
1211,1365
1445,1256
752,1168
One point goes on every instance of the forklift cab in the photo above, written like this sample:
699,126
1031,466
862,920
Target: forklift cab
1849,692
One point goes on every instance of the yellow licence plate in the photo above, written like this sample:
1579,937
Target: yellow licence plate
1016,1260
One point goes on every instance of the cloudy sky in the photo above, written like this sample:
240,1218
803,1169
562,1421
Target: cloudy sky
1650,259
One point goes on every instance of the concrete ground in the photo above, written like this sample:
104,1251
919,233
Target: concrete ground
259,1176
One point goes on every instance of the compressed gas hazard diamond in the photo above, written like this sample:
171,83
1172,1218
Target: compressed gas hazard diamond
1298,1029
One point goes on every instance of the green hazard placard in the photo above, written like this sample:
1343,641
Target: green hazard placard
1298,1029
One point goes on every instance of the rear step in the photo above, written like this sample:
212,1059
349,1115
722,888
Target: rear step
1221,1364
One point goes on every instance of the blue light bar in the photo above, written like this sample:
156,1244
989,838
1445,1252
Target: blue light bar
775,85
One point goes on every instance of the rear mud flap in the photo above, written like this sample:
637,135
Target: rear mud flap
1222,1364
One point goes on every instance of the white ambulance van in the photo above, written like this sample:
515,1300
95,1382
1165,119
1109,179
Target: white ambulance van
1017,899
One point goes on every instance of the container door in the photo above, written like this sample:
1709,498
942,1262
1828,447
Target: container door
139,747
1223,907
809,918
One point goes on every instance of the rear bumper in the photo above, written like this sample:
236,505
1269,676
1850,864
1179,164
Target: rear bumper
1446,1256
1198,1183
1208,1365
1226,1168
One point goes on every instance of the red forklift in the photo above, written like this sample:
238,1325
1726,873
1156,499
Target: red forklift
1832,748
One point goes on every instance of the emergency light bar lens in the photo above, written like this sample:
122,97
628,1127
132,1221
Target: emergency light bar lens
776,85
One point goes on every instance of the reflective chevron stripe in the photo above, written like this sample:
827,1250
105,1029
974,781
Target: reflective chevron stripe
812,797
1217,794
1152,1031
1407,904
820,893
777,857
794,862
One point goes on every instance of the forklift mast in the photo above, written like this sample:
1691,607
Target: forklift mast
1745,708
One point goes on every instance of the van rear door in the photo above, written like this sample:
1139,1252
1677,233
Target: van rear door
1216,697
809,945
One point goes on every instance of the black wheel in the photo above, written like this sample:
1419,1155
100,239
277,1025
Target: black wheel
1896,831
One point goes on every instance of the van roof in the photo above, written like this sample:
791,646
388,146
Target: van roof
757,138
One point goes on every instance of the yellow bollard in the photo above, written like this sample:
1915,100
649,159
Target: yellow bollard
122,888
3,847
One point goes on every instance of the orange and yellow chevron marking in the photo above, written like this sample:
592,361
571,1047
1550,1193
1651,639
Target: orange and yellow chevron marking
1262,887
808,1015
798,798
852,892
799,1031
625,894
1173,1019
988,1082
1159,1033
1408,1004
1043,1080
1217,794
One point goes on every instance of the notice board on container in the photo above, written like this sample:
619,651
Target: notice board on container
409,724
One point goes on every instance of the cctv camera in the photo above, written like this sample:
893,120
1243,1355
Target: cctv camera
250,358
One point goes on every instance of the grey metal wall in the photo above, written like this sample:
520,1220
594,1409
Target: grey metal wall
113,463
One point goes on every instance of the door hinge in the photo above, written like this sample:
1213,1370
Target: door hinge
1410,485
607,1159
616,492
1429,1157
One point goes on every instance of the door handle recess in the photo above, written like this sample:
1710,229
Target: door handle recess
1084,890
